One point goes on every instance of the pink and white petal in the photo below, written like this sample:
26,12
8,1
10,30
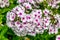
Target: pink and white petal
9,24
46,12
27,6
12,16
20,13
58,37
23,19
56,30
31,1
17,23
21,1
32,33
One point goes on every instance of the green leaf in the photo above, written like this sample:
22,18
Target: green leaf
4,30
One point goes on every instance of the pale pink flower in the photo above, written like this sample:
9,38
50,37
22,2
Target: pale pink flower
32,33
31,1
36,20
53,30
23,19
46,12
10,24
39,1
29,18
27,5
21,1
46,21
17,23
58,37
20,13
4,3
12,16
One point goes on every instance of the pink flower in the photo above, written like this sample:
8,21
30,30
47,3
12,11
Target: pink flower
39,1
29,18
39,25
23,19
46,12
56,30
10,24
27,6
53,30
36,13
58,37
12,16
31,1
8,16
46,21
20,13
32,33
4,3
36,20
21,1
17,23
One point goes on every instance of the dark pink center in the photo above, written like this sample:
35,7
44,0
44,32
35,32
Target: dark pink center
20,13
18,22
12,17
27,7
36,20
39,12
45,11
23,18
20,27
38,24
59,38
50,30
35,15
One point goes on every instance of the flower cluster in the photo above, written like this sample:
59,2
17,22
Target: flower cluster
4,3
35,22
53,3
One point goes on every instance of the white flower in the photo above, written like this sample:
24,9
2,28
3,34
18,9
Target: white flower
17,23
47,21
23,19
10,24
46,12
4,3
33,14
53,3
31,1
56,30
21,1
51,29
22,8
58,37
29,18
39,12
20,14
32,33
36,20
39,30
20,33
27,5
39,1
8,16
30,27
53,6
12,16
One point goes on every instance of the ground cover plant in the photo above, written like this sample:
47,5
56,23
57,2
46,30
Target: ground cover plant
30,20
